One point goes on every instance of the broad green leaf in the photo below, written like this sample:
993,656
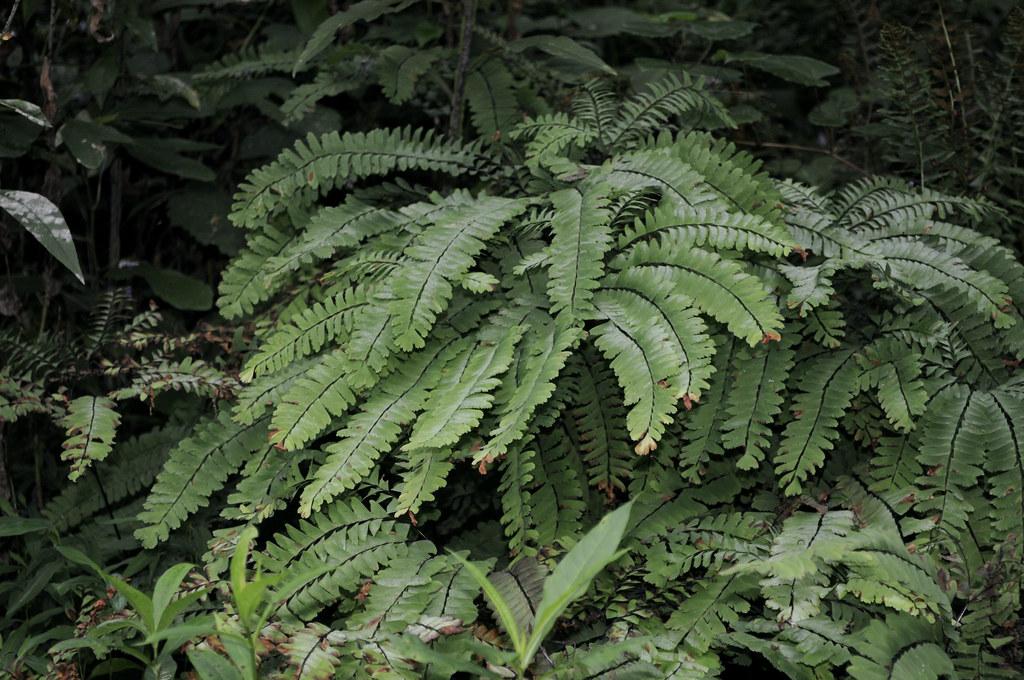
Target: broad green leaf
27,109
210,665
573,575
19,526
562,47
165,589
501,606
177,289
44,221
794,68
87,141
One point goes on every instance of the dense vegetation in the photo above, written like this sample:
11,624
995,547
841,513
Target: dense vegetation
419,338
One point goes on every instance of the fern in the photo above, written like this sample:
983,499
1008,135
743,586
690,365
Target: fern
91,425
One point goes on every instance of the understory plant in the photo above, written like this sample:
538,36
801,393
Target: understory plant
808,398
588,394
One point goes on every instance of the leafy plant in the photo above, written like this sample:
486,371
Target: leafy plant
569,581
508,307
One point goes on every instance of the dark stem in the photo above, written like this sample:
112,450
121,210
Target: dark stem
461,66
106,501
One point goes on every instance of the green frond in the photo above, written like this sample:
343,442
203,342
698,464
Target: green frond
826,387
921,267
372,431
241,284
717,286
328,230
401,593
267,482
1004,463
703,428
895,371
596,106
660,169
900,647
529,383
689,337
399,67
761,374
550,135
951,449
703,619
635,340
440,255
735,176
600,419
129,470
354,539
664,99
517,480
580,239
307,333
424,473
468,388
91,426
319,164
196,468
311,652
490,93
710,227
305,410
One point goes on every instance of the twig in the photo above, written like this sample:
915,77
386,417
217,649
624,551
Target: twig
10,19
461,66
810,149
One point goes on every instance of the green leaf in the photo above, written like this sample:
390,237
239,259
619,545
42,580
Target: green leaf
179,290
164,155
43,220
571,578
19,526
212,666
367,10
563,47
26,109
87,141
165,589
501,605
794,68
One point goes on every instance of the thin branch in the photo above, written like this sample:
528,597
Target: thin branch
461,66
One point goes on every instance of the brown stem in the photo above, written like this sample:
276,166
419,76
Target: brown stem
461,66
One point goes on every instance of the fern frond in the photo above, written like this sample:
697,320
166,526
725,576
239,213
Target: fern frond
319,164
468,388
490,93
529,382
196,468
710,227
717,286
580,239
311,329
550,135
762,374
321,393
666,98
91,426
399,67
422,286
827,386
353,538
371,432
636,343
